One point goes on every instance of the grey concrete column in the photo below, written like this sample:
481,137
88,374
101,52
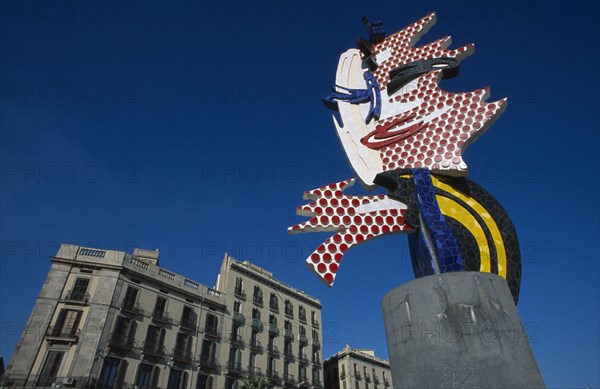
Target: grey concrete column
457,330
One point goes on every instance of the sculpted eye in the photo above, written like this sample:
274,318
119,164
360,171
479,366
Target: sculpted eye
404,74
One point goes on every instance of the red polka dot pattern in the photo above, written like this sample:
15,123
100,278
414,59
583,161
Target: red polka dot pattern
331,210
447,122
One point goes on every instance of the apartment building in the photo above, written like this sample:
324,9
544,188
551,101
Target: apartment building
357,369
273,330
110,319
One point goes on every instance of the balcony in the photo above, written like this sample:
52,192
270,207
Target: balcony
273,350
303,359
317,383
121,341
367,377
257,325
154,349
386,382
302,318
235,368
162,317
256,346
238,318
317,362
253,370
77,297
236,340
209,362
258,301
212,331
357,375
289,313
303,339
289,355
239,293
274,375
274,307
288,334
376,380
188,323
316,343
61,334
182,355
131,307
289,378
315,323
342,375
273,330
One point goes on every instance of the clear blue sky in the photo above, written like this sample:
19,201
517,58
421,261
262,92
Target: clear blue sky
195,127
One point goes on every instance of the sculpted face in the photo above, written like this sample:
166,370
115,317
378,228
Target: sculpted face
397,116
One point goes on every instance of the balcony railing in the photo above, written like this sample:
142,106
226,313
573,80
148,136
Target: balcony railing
289,378
357,375
209,362
376,380
303,339
122,341
288,334
182,355
236,340
155,349
258,301
240,293
188,323
274,375
303,359
289,355
162,317
273,350
253,370
289,313
63,334
274,307
131,307
256,345
315,323
316,361
239,318
273,330
257,325
212,331
302,318
342,375
317,383
235,368
316,343
386,382
77,297
367,377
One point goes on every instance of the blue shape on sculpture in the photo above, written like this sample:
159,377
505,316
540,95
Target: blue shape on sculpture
376,31
357,96
435,234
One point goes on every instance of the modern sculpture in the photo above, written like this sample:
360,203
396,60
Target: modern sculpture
402,132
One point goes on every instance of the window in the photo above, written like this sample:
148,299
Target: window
256,314
212,323
302,330
204,382
188,317
79,291
289,308
51,367
208,351
274,302
124,332
288,325
67,324
155,338
177,379
301,313
301,374
313,318
258,295
237,307
160,308
272,319
131,297
239,287
315,335
113,373
183,344
287,347
147,376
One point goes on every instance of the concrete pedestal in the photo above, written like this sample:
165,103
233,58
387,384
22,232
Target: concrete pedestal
457,330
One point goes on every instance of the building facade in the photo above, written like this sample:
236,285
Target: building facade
274,329
357,369
109,319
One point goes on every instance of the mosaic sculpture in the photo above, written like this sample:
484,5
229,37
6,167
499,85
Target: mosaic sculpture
400,131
